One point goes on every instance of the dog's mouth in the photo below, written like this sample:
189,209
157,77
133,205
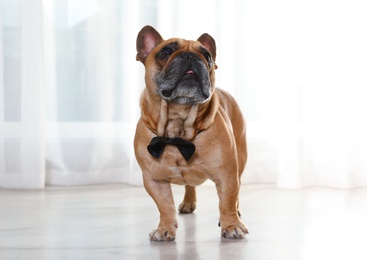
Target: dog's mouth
189,78
190,73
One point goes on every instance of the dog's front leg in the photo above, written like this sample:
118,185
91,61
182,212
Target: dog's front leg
162,195
231,225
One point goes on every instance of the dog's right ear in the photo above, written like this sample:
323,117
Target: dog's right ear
148,38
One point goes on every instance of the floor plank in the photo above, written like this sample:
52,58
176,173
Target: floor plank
113,222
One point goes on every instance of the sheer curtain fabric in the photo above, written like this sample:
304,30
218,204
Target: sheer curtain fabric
70,86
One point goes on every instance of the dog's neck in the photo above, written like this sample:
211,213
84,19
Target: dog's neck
177,120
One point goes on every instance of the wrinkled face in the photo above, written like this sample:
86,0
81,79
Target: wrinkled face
184,71
177,70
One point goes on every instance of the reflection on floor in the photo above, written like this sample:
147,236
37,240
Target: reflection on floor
113,222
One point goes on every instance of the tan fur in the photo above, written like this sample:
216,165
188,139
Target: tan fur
217,129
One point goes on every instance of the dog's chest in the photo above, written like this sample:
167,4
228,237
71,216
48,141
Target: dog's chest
178,171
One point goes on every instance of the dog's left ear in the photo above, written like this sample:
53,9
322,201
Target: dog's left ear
148,38
209,43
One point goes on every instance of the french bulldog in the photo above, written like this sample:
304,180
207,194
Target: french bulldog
189,131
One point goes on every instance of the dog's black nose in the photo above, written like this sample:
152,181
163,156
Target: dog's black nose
189,56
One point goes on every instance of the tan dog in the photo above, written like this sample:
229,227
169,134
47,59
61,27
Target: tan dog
188,131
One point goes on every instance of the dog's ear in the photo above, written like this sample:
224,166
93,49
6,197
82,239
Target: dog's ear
148,38
209,43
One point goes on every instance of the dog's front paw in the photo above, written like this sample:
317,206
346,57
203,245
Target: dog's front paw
162,234
236,231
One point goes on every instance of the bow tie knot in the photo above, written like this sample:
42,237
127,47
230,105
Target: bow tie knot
157,145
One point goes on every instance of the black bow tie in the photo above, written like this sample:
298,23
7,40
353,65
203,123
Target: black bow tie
157,145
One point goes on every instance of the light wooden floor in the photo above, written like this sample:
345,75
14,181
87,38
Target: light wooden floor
113,222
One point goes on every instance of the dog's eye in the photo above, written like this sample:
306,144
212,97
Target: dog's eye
166,52
207,57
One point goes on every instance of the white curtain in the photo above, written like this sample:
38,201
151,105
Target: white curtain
70,85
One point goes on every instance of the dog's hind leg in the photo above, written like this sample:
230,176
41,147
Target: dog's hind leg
188,204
